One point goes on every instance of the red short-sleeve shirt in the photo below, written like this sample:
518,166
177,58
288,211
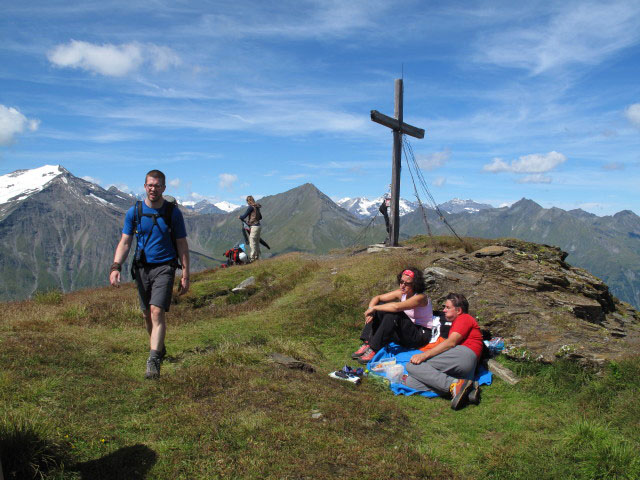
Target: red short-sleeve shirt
467,326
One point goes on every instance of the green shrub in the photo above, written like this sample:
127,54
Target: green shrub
49,297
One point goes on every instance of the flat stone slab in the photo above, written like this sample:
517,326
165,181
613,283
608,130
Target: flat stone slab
503,372
291,362
381,247
431,274
246,283
491,251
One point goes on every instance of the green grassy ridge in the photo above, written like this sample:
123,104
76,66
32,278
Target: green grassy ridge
71,379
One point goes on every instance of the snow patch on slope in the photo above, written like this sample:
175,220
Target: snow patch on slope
22,183
226,206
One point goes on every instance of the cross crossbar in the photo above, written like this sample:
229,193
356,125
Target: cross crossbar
394,124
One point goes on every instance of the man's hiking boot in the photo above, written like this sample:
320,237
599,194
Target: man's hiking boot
474,394
367,356
459,393
358,353
163,353
153,368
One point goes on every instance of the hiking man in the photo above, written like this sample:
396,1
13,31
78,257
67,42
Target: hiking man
253,212
155,262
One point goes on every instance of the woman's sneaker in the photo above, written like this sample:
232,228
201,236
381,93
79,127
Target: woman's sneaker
367,356
358,353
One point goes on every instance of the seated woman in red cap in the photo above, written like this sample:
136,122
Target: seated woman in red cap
403,316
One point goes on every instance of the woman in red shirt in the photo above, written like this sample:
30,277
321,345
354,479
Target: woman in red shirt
449,367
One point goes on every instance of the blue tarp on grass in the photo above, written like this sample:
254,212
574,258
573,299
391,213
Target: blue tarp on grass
483,376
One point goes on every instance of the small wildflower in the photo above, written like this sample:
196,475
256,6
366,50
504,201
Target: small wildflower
102,440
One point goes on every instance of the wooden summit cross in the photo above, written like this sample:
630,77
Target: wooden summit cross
398,127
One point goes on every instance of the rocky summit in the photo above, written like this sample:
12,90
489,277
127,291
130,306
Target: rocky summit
543,307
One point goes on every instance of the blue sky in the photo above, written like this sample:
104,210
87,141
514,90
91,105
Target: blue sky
231,98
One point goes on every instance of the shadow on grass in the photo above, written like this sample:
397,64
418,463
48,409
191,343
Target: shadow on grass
128,462
25,451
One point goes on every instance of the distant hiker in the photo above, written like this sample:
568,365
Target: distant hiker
161,247
236,255
403,316
384,210
253,220
449,367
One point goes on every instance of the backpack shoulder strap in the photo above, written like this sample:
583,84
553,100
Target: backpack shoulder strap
168,215
169,206
137,216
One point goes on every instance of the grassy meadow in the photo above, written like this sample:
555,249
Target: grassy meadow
75,404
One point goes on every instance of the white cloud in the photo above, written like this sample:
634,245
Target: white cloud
91,179
175,183
633,114
535,178
496,165
433,160
162,58
107,59
112,60
590,206
296,20
12,123
584,32
534,163
226,180
197,197
278,116
439,181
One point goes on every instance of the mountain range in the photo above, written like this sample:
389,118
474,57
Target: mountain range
608,246
205,206
60,231
362,207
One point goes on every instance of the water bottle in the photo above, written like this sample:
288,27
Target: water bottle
496,344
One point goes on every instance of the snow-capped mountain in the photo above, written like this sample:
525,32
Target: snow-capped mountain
205,206
363,207
227,206
458,205
21,185
56,230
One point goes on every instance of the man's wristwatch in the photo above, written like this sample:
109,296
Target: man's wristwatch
116,266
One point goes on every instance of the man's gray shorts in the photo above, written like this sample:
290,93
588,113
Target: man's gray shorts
155,285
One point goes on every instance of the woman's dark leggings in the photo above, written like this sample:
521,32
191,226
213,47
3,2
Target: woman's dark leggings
387,327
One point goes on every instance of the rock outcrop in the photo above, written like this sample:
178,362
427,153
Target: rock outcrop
543,307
